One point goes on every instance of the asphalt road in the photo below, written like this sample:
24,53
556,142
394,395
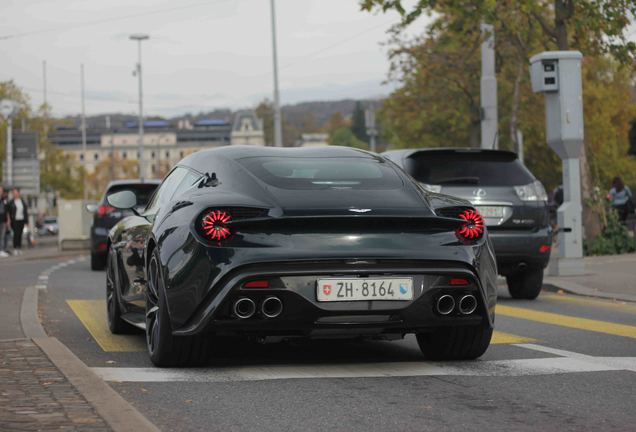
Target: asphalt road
558,363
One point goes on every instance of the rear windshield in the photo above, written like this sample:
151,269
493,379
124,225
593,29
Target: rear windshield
323,173
470,168
142,191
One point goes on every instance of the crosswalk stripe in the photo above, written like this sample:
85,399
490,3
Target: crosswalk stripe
92,314
515,367
568,321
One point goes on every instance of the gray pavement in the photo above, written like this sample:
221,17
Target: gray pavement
611,276
562,362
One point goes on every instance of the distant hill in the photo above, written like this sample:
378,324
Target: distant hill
296,115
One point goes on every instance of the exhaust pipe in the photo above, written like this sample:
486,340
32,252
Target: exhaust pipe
244,308
467,304
445,304
271,307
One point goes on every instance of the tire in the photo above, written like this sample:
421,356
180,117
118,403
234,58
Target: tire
116,324
165,349
98,261
526,284
455,343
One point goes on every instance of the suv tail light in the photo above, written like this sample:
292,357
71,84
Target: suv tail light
104,209
532,192
473,228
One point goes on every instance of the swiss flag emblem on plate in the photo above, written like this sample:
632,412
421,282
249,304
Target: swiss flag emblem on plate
326,289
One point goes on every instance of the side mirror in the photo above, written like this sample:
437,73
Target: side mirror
123,200
91,208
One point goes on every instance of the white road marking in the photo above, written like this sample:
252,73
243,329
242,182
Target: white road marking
518,367
555,351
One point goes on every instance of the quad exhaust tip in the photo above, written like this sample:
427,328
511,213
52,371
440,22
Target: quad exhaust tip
271,307
244,308
467,304
445,304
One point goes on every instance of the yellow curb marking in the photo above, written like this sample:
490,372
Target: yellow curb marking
92,313
595,302
508,338
568,321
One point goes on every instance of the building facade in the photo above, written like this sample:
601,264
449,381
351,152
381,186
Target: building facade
165,144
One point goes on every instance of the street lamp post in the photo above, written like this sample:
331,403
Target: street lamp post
83,126
8,109
278,129
140,37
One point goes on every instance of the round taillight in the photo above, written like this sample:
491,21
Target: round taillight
214,225
473,228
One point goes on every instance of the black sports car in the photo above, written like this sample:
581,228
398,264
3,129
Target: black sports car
275,243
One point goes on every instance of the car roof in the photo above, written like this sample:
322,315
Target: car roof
402,154
132,182
199,160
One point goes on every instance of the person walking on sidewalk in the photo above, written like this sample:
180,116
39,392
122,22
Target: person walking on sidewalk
621,198
4,221
19,214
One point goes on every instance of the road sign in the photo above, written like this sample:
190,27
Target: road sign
26,176
25,145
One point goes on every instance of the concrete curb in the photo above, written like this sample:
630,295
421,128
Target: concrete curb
118,413
553,284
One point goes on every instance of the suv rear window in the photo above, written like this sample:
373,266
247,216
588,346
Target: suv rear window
143,191
324,173
468,168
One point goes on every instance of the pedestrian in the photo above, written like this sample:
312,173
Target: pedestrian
4,221
620,197
19,215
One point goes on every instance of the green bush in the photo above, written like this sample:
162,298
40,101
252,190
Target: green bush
614,239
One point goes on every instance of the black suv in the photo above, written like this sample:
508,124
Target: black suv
511,200
106,216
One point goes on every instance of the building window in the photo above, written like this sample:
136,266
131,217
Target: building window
167,154
96,156
81,156
152,155
181,154
137,155
152,168
124,155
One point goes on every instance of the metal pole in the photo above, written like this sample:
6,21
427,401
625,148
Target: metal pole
520,145
488,89
9,152
278,129
141,115
84,132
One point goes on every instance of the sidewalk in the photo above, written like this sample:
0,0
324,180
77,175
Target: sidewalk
35,396
610,276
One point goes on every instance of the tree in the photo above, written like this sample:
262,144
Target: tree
596,27
104,172
344,136
56,168
265,111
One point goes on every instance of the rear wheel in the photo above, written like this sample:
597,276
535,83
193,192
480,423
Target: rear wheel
164,348
98,261
525,284
113,305
455,343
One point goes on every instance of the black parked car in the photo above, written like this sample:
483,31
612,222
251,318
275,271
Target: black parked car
106,216
304,242
511,200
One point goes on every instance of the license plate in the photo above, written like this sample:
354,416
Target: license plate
490,211
356,289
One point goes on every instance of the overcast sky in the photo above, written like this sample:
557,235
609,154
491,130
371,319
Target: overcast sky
201,54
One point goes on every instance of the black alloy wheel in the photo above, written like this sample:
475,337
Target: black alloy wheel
116,324
164,348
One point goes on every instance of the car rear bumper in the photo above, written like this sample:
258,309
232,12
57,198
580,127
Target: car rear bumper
515,250
303,315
